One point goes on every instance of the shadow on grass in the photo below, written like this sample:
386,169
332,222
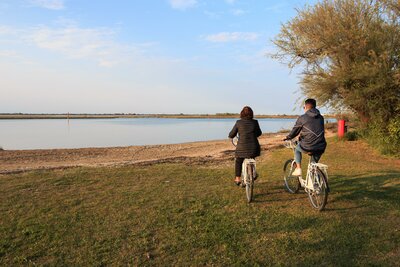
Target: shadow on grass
276,193
330,209
271,197
383,187
340,244
364,199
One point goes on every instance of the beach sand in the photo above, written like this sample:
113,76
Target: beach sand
15,161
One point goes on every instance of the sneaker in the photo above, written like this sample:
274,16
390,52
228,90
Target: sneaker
297,172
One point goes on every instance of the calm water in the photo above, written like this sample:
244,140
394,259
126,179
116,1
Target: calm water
54,133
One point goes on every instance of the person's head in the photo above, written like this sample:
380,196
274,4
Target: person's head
310,103
246,113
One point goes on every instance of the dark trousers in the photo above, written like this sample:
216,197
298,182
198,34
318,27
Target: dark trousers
238,166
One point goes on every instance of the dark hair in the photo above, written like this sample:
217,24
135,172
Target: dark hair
311,102
246,113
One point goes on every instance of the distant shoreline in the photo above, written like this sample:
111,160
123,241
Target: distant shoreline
13,116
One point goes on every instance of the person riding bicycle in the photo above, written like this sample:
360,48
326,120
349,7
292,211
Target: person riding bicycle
248,145
310,126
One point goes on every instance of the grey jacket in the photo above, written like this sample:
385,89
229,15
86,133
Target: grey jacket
310,126
248,145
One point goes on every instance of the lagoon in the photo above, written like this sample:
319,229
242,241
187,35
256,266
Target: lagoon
79,133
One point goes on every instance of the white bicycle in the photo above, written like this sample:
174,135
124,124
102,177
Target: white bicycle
248,173
315,184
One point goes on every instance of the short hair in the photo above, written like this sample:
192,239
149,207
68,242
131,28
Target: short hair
311,102
246,113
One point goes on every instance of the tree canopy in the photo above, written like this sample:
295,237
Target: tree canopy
350,54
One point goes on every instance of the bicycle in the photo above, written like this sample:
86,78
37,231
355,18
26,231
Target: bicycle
248,173
316,182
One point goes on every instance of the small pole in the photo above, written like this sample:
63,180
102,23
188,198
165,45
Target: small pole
341,128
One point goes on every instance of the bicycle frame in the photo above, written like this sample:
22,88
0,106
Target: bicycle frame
247,178
247,162
312,167
315,183
308,183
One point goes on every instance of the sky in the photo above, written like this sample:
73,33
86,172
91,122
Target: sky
153,56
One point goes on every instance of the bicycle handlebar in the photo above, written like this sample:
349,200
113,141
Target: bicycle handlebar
291,144
235,140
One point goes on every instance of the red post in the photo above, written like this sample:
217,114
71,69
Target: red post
341,128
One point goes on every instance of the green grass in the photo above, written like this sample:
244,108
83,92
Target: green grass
175,214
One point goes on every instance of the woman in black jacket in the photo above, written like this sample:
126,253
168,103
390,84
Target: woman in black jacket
248,145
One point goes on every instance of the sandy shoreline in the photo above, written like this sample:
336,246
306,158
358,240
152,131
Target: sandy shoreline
15,161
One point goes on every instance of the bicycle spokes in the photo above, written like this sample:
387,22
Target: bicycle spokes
318,195
315,183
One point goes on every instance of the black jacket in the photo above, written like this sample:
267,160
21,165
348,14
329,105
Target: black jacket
248,145
310,126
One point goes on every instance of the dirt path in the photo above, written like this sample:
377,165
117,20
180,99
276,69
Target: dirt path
14,161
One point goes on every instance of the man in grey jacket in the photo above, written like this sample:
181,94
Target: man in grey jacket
310,126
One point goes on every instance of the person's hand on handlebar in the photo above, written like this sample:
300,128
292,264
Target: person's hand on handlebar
286,139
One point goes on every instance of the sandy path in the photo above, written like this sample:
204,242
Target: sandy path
14,161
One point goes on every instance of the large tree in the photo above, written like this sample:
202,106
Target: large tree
350,53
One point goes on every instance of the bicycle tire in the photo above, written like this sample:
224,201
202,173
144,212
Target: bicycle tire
250,182
319,198
292,183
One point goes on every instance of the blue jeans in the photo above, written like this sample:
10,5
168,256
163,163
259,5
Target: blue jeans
297,155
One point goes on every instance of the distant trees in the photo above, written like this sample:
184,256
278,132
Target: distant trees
350,54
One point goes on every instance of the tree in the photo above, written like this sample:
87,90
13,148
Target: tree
350,54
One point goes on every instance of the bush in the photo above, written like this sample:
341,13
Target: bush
351,136
385,139
332,126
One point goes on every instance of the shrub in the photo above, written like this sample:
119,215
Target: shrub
351,136
385,139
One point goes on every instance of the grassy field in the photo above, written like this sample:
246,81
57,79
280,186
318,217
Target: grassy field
174,214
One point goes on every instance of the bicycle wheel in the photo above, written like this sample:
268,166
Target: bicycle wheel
319,196
250,182
292,183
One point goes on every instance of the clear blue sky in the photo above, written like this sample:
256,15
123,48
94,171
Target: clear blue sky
154,56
